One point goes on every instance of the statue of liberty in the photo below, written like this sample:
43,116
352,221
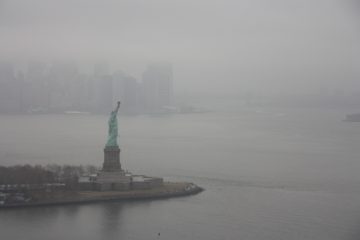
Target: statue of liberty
113,128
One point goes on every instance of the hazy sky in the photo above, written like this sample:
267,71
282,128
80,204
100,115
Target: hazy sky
227,46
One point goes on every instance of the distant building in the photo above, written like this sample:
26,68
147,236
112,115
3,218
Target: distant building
80,94
38,87
125,90
101,69
103,94
158,86
62,80
6,71
59,87
11,89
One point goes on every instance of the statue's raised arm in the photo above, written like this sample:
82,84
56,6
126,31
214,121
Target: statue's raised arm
117,107
113,128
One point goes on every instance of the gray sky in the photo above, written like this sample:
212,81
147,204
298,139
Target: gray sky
227,46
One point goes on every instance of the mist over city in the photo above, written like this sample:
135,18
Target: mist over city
171,119
214,47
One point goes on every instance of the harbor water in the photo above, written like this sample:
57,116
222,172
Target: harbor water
269,173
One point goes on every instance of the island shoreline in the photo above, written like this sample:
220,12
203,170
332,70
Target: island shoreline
89,197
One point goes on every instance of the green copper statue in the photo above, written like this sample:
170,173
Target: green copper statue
113,128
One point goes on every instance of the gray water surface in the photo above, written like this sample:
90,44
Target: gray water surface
268,174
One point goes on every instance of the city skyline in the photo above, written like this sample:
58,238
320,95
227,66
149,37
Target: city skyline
60,87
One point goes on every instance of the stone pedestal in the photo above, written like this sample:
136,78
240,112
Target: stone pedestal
111,159
113,181
112,177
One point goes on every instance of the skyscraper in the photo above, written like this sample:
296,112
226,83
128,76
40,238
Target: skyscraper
103,93
10,89
38,86
125,90
158,86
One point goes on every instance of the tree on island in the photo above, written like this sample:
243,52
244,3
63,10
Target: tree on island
52,173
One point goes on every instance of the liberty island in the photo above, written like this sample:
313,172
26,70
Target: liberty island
111,183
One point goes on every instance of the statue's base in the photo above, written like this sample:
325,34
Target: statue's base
113,181
111,159
112,177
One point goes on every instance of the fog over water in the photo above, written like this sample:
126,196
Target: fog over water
244,98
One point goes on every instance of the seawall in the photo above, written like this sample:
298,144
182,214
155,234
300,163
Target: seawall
168,190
